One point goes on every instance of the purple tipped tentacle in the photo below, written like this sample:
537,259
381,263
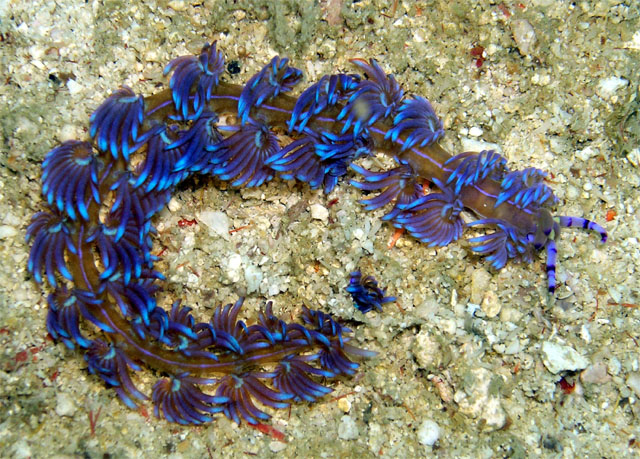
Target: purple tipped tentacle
209,336
113,366
335,359
510,185
129,254
133,204
292,377
158,171
504,243
136,300
358,351
124,203
196,145
242,157
268,331
416,116
435,218
534,196
492,246
181,332
195,74
65,309
298,160
526,189
276,326
401,184
475,167
321,322
330,90
149,204
329,337
87,305
372,100
180,400
116,124
228,331
276,77
337,153
158,326
319,159
51,236
69,178
241,389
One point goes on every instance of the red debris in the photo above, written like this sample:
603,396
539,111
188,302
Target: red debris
477,53
186,222
239,228
93,420
566,386
502,7
143,411
269,430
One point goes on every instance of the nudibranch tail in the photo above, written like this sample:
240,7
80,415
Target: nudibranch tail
93,243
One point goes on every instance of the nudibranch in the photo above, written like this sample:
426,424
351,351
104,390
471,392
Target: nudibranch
93,243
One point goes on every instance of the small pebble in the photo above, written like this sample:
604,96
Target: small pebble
376,436
608,86
614,366
344,405
475,131
595,374
174,204
65,405
74,87
480,279
21,450
253,276
217,222
7,231
277,446
479,401
572,192
587,153
633,381
69,132
557,357
319,212
233,268
358,233
524,35
177,5
348,430
426,350
491,304
634,157
428,433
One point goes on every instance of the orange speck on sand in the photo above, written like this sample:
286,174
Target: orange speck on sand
392,242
